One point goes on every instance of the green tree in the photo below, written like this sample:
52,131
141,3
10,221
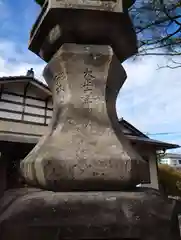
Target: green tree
158,27
40,2
169,180
160,155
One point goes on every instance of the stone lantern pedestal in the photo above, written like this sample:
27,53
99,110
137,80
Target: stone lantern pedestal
85,148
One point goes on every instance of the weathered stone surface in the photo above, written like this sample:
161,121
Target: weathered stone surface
35,214
106,5
85,148
61,23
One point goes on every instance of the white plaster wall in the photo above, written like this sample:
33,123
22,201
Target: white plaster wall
35,109
35,102
149,153
19,127
153,172
11,106
34,119
49,113
8,115
12,98
26,129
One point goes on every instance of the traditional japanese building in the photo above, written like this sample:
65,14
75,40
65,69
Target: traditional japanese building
25,111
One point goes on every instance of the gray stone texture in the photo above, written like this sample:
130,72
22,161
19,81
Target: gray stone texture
75,22
84,148
107,5
39,215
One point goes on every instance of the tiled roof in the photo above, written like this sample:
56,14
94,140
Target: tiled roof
24,78
130,127
159,145
136,136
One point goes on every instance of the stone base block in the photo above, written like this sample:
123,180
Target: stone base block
36,214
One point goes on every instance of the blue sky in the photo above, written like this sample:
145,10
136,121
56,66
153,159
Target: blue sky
17,17
150,98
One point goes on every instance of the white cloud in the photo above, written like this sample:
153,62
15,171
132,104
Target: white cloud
151,98
14,62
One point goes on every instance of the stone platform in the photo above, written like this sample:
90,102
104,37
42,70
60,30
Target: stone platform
39,215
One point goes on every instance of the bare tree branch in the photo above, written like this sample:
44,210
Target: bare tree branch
159,54
167,14
156,22
168,66
158,27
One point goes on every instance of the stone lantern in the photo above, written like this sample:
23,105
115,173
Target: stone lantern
84,43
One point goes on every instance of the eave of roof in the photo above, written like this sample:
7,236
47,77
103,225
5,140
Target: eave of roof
130,127
159,145
172,155
140,137
25,79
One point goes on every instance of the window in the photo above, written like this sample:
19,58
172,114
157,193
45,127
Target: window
164,161
174,162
